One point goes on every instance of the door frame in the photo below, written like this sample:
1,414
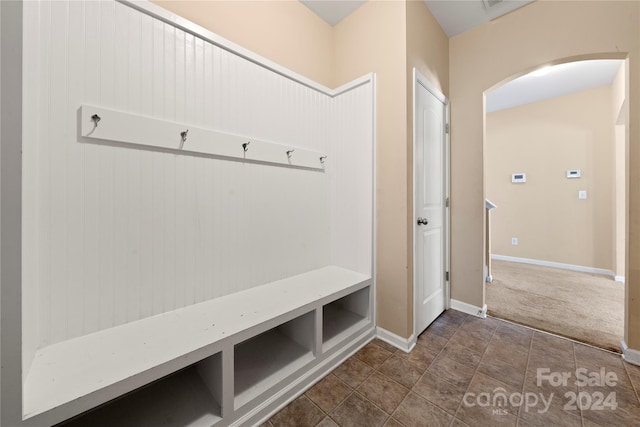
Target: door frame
419,79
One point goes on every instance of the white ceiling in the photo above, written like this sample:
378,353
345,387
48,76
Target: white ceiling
454,16
458,16
551,82
333,11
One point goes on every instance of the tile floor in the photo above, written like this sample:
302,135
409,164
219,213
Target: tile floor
466,371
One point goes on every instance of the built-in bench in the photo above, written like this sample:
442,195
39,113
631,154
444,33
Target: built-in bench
231,350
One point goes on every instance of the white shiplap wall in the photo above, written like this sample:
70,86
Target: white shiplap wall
351,175
113,233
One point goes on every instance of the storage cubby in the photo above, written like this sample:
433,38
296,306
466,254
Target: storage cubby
265,360
189,397
344,316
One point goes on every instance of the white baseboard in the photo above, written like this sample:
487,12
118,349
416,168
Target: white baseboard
404,344
630,355
552,264
619,279
469,309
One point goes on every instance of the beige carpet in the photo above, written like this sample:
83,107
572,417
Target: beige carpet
582,306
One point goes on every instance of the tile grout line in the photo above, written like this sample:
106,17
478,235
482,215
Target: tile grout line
475,371
434,359
355,390
453,417
575,364
314,404
526,369
624,365
328,414
390,416
352,389
556,335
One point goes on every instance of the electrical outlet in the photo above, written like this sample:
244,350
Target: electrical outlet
514,241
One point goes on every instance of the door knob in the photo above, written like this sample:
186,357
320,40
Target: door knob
423,221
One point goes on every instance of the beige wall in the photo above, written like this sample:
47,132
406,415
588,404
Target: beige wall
544,140
390,38
427,49
540,33
373,38
286,32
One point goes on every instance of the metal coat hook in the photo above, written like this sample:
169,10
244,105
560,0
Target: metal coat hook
322,159
96,118
289,152
245,146
183,137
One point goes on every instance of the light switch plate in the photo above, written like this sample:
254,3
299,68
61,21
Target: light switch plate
582,194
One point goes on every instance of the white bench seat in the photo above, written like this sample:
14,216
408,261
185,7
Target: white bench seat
89,370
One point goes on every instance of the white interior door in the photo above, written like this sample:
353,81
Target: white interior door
430,205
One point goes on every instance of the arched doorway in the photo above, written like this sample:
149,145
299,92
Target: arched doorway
554,165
